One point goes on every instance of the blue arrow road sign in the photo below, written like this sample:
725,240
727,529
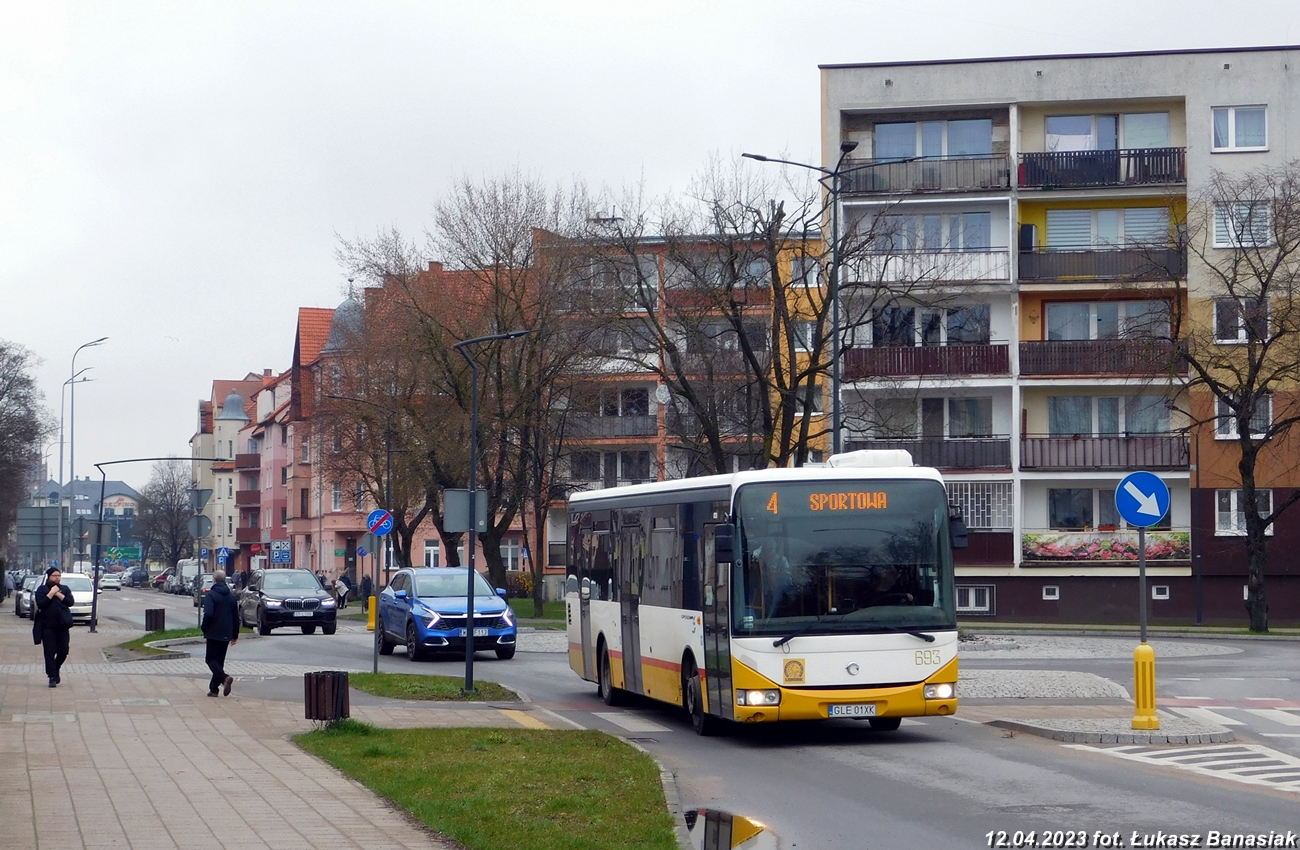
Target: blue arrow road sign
1142,499
379,522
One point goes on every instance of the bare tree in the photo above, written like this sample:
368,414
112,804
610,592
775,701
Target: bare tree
165,510
24,423
1242,331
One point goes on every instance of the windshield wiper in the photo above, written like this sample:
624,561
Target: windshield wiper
801,630
901,631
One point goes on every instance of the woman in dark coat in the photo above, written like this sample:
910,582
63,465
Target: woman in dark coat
53,607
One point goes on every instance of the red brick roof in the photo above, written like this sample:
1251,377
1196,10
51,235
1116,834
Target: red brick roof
313,331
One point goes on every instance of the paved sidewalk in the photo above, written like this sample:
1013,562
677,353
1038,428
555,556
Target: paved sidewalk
138,759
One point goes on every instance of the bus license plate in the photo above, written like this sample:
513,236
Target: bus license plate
854,709
477,633
302,613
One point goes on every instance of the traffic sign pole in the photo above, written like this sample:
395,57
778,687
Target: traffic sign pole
1142,499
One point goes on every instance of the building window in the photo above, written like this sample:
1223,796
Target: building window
1225,426
359,497
305,456
230,526
284,475
898,234
1051,592
303,509
336,497
906,139
984,505
1086,509
1240,319
230,488
1085,320
635,466
284,435
905,326
940,418
1240,128
284,515
805,335
1243,224
805,271
974,599
1107,416
818,395
432,550
1090,229
510,553
584,466
1160,591
1230,519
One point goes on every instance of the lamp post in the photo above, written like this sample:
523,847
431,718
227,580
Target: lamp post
72,427
75,379
832,181
473,485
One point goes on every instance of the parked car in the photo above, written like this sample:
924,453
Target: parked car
160,581
202,585
276,598
23,597
83,595
425,610
110,581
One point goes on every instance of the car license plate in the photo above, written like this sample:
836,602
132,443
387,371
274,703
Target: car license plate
477,632
302,613
853,709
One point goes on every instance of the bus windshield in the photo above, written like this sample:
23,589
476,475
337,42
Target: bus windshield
842,556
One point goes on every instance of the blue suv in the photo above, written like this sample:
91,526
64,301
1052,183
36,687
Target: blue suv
425,610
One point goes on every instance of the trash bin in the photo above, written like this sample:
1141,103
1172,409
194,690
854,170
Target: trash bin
325,695
155,619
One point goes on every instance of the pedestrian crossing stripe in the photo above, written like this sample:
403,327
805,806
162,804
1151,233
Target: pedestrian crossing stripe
1247,763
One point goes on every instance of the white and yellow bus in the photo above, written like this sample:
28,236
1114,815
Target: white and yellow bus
779,594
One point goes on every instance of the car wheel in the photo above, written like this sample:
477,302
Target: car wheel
413,651
605,682
330,629
885,724
262,628
505,653
385,645
309,630
693,696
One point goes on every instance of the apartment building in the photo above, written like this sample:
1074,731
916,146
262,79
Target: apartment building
1021,259
213,447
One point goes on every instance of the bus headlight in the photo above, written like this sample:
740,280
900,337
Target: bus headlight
758,697
944,691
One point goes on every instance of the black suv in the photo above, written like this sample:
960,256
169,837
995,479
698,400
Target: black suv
276,598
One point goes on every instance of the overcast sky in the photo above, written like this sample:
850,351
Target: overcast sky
173,174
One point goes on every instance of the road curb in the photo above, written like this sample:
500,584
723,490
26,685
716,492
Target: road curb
1115,735
671,797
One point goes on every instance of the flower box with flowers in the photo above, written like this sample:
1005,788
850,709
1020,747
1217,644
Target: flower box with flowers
1104,546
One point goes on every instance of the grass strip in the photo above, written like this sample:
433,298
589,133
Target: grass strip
138,645
553,613
447,688
526,789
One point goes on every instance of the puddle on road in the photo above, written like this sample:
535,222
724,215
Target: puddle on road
711,829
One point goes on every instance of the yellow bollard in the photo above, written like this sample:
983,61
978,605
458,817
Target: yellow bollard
370,615
1144,688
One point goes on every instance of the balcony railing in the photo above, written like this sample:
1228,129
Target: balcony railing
974,266
248,461
929,174
1146,263
1102,357
730,362
1138,451
1102,547
575,486
248,535
965,453
585,426
1132,167
248,498
926,360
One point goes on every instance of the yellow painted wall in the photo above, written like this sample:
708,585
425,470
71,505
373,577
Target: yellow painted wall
1035,212
1032,311
1034,403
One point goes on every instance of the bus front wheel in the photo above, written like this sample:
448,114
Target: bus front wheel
605,682
693,691
885,724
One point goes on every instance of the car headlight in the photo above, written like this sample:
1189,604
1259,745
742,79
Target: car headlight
327,603
272,603
942,691
509,616
770,697
431,619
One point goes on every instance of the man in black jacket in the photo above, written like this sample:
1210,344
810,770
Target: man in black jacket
221,628
53,603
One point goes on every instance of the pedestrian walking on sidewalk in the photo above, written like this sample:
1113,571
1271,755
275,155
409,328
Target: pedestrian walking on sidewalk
221,629
367,588
9,584
53,602
341,589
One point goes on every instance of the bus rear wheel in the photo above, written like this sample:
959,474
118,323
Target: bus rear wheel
693,697
885,724
605,682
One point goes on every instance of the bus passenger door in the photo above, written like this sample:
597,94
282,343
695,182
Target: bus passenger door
717,630
629,582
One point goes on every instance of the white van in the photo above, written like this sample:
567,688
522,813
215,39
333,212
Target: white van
188,569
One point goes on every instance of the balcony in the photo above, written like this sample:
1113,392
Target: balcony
586,426
1104,547
245,535
575,486
726,362
926,361
1141,451
1133,167
248,498
992,266
928,174
1151,263
1121,357
957,453
248,461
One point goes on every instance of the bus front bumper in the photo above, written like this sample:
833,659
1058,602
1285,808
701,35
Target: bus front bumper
856,703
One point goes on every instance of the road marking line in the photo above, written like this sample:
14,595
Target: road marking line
1255,765
1280,734
524,718
1277,715
630,722
1204,715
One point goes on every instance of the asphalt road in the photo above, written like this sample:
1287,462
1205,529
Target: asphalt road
934,783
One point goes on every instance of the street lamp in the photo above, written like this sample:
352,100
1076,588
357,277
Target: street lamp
72,427
832,181
75,379
473,485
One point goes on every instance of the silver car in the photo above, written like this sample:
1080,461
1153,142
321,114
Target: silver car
23,596
83,595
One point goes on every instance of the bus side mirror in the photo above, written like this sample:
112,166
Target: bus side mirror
585,593
724,543
957,529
